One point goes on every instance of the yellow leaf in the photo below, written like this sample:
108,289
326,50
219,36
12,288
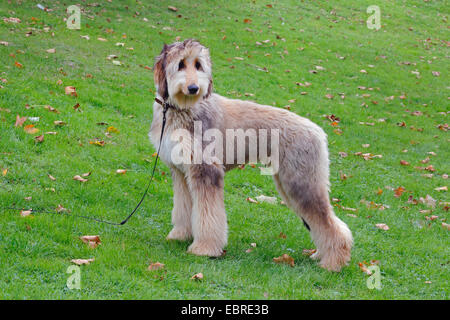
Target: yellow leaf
30,129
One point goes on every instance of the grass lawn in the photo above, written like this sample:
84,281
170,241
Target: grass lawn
389,89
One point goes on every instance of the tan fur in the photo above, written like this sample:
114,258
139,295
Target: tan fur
302,178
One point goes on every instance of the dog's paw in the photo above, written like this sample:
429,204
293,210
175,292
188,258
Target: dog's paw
205,249
179,234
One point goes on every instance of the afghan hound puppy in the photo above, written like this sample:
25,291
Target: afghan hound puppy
183,79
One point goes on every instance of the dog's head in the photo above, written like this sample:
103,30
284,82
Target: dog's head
182,73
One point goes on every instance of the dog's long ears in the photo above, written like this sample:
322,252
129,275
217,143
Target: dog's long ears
159,70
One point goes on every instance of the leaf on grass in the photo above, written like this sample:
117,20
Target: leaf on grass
446,225
121,171
198,276
99,143
155,266
263,198
79,178
59,123
4,172
51,177
39,139
91,241
398,192
70,91
82,261
251,200
364,269
444,188
172,8
30,129
382,226
25,213
20,121
111,129
309,252
285,258
428,200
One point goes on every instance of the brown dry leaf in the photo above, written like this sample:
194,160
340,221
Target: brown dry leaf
251,200
247,20
39,139
309,252
99,143
121,171
364,269
4,172
382,226
52,50
155,266
59,123
79,178
282,235
30,129
285,258
51,177
71,91
60,208
20,121
398,192
329,96
446,225
25,213
82,261
404,163
428,200
18,64
444,188
198,276
51,109
172,8
92,241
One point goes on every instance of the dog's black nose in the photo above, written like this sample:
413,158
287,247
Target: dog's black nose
193,88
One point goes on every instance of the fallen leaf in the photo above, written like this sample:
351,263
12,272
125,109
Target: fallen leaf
82,261
99,143
428,200
382,226
4,172
364,269
30,129
446,225
20,121
51,50
263,198
172,8
251,200
285,258
39,139
309,252
79,178
91,241
51,177
25,213
155,266
398,192
444,188
121,171
198,276
71,91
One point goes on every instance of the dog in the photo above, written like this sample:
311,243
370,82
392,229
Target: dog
183,80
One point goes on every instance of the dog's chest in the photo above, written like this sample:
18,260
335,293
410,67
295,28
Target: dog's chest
169,144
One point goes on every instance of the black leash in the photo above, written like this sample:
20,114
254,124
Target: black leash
165,106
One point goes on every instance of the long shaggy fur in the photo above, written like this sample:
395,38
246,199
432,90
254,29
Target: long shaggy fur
302,179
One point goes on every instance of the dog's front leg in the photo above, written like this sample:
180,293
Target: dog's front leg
209,220
182,207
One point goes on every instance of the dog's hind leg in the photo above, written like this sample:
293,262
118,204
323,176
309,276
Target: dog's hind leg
209,220
303,179
182,208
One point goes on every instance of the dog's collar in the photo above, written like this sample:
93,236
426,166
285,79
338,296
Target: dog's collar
167,105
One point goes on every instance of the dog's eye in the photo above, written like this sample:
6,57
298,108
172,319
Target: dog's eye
181,65
198,66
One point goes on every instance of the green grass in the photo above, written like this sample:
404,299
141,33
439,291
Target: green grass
35,251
